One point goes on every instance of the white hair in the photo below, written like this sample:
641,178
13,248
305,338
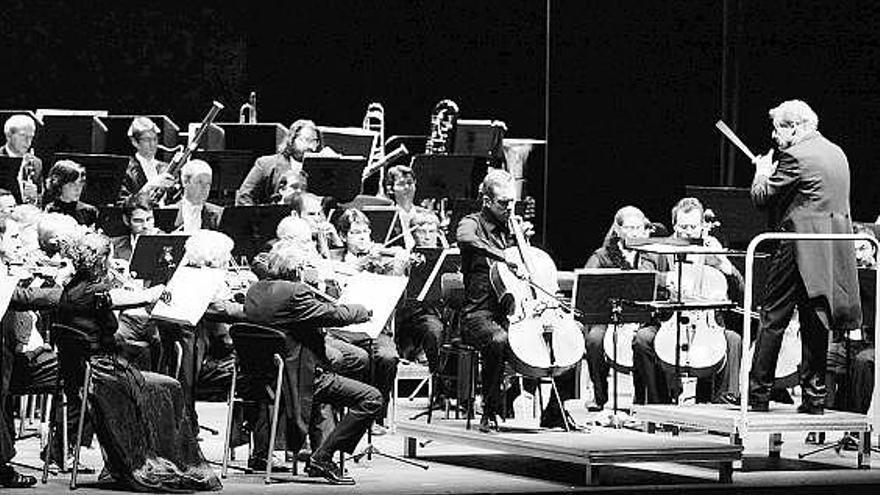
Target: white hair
793,112
208,248
194,167
17,122
140,125
495,178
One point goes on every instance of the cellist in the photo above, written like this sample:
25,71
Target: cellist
688,222
482,238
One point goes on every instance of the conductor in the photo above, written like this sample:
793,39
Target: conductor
805,187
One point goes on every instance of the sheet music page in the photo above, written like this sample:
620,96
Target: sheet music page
192,290
379,293
7,287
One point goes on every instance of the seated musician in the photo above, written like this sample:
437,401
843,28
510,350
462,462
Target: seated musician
194,210
362,253
419,325
145,174
64,186
19,130
400,184
140,417
482,238
629,223
264,179
857,369
291,185
309,207
688,222
26,360
284,302
137,215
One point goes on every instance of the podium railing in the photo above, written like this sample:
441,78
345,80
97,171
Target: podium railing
746,364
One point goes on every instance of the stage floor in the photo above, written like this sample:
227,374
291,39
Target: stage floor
455,468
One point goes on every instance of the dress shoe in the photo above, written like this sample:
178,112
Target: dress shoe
488,423
259,464
727,398
10,478
759,405
806,408
327,469
378,430
781,395
594,407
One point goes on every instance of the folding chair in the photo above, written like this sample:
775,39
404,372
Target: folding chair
74,350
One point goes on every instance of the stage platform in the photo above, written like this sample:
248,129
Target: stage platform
591,448
729,420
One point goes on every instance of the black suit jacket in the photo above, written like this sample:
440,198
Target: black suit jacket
809,193
39,181
294,309
263,180
135,179
210,216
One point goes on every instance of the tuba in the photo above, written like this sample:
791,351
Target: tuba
443,119
247,114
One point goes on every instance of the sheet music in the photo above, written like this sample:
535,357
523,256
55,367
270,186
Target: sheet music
380,293
192,290
7,288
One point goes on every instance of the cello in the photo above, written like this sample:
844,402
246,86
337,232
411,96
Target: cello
543,338
692,340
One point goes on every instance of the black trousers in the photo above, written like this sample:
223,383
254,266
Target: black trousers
420,327
850,379
363,401
785,291
489,335
384,361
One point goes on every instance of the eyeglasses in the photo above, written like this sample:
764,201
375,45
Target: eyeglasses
366,231
504,202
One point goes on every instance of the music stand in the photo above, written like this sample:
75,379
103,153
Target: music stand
481,138
382,221
603,294
164,218
155,257
335,176
741,222
262,138
251,227
75,131
103,175
448,176
9,168
424,278
229,170
351,141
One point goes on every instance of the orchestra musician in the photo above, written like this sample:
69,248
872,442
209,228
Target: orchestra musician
284,302
145,174
688,222
140,417
629,223
137,215
64,186
362,253
309,207
400,184
25,358
264,179
194,210
19,130
856,369
805,183
291,185
482,238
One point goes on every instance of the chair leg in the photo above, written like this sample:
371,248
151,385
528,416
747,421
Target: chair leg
79,428
48,450
45,417
230,404
64,433
270,454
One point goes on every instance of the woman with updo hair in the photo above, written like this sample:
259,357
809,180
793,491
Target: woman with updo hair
64,186
145,432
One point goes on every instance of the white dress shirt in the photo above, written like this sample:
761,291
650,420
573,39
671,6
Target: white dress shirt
192,215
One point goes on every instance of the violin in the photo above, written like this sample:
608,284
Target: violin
543,337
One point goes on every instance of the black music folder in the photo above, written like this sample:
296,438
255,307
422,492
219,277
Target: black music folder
424,277
594,289
335,176
448,176
155,257
9,168
382,221
164,218
262,138
103,175
251,227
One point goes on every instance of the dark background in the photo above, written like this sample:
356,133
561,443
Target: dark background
635,87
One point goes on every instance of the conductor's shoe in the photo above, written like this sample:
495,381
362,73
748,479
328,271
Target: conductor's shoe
781,395
807,408
327,469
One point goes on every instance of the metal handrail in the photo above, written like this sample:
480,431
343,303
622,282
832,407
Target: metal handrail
746,360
